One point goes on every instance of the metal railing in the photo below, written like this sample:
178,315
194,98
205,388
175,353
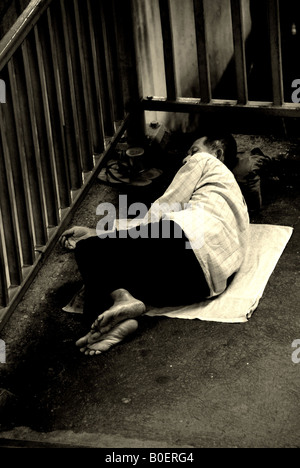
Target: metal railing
205,103
72,89
70,78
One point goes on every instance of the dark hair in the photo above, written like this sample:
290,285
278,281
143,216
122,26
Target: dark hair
228,144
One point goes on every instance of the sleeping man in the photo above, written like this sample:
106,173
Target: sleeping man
183,255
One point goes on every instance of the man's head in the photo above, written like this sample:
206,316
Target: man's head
223,147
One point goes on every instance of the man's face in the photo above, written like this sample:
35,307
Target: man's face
199,146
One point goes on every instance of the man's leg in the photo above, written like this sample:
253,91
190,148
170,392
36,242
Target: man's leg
171,274
105,265
161,271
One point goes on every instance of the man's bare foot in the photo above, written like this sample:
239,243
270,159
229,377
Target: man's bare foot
125,307
103,343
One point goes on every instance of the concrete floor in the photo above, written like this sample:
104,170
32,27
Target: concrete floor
176,383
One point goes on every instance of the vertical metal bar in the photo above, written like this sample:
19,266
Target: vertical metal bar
53,194
99,64
10,222
3,267
128,66
26,147
76,86
167,34
203,56
58,50
14,154
112,65
34,78
89,91
97,79
31,87
276,51
239,51
61,116
48,66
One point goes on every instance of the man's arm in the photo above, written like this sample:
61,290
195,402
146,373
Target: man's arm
175,197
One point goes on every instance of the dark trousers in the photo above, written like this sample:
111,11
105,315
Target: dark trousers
159,271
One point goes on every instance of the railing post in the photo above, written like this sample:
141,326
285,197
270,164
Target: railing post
48,198
239,50
26,146
203,56
76,88
95,130
19,31
131,88
111,62
276,51
14,152
70,169
10,225
50,96
4,299
170,69
99,69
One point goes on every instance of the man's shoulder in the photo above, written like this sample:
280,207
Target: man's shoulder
202,159
203,156
211,163
207,158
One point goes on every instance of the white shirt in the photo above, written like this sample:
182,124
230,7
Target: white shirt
206,202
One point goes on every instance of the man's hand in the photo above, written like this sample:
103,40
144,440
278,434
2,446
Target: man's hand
70,237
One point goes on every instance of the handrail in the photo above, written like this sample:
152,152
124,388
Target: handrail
20,30
58,126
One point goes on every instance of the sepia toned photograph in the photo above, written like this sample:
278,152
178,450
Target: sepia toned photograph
149,226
